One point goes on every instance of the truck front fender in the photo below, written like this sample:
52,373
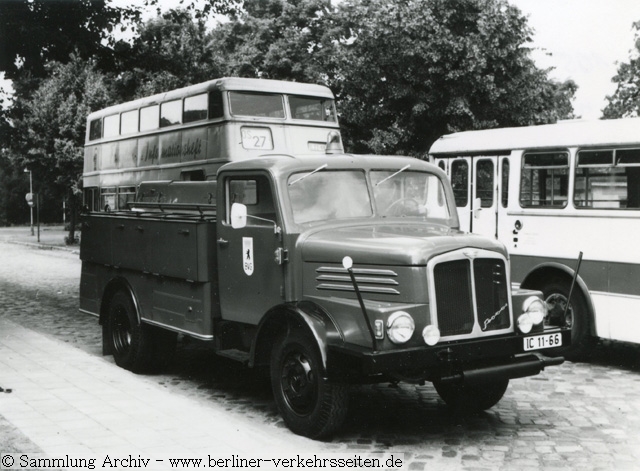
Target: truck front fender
281,319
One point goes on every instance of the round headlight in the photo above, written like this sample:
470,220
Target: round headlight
431,335
536,308
400,327
524,323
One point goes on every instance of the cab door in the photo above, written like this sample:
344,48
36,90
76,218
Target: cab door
250,259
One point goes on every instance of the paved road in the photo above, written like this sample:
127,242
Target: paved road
578,415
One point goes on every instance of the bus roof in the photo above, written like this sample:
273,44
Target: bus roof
225,83
572,133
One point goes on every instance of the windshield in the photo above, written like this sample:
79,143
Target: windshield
329,195
407,193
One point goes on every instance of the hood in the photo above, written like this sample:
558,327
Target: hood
402,244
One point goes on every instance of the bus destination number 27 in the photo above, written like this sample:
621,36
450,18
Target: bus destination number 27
257,138
542,341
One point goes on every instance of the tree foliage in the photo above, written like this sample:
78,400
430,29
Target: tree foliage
625,101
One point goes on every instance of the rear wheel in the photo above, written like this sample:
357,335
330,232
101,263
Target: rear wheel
136,347
576,317
474,397
309,405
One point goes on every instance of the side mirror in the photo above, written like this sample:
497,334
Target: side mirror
238,215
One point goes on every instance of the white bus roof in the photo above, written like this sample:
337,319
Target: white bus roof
225,83
575,133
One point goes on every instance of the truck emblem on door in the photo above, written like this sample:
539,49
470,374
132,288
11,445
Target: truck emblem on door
247,255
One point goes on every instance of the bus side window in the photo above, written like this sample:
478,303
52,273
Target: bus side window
484,183
460,182
545,178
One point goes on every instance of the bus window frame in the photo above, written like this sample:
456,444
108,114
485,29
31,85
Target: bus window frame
531,168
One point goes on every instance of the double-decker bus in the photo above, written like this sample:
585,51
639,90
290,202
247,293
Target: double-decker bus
187,134
549,192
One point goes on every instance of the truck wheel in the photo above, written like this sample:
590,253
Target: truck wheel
475,397
556,294
129,341
309,405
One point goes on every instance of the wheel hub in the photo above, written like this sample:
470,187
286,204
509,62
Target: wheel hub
298,383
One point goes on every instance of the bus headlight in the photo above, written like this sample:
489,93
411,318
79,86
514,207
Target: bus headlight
525,324
536,308
431,335
400,327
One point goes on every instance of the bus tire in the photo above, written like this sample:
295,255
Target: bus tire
130,342
309,405
471,397
556,293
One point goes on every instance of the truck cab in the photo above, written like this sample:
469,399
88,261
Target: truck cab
329,271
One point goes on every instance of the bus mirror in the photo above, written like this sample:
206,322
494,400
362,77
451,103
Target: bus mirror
238,215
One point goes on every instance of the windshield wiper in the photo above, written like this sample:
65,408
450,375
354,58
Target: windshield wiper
393,174
308,174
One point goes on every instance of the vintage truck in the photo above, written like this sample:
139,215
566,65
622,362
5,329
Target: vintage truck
329,271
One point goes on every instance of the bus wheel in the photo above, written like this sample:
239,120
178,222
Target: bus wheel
309,405
472,397
556,294
129,341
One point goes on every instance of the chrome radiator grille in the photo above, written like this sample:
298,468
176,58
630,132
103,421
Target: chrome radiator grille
471,295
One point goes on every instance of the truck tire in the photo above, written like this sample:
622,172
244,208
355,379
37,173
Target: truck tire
556,293
309,405
130,342
470,398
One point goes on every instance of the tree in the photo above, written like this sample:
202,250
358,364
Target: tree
412,71
49,134
278,39
171,51
625,101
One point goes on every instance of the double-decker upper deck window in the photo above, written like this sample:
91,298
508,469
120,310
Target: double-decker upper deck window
265,105
545,180
129,122
95,129
195,108
149,118
112,125
171,113
608,179
215,105
316,109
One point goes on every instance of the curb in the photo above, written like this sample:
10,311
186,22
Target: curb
41,246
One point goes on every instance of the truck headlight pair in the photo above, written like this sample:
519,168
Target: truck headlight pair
400,328
534,310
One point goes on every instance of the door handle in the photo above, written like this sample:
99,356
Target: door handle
222,242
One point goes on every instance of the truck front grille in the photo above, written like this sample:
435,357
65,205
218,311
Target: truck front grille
471,295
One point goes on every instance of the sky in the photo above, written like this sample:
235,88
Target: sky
583,40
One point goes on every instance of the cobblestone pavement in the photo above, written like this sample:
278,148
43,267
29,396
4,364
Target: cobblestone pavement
578,415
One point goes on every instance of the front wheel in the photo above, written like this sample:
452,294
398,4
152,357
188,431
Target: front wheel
472,397
556,294
309,405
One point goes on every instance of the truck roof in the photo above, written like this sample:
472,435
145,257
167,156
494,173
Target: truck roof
282,164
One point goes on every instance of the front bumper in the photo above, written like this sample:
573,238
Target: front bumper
469,360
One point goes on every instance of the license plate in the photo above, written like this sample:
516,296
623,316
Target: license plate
542,341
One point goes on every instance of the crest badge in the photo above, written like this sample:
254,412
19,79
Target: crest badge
247,255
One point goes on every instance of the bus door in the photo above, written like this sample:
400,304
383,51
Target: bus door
474,181
250,259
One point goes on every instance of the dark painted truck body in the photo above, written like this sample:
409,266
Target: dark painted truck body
329,271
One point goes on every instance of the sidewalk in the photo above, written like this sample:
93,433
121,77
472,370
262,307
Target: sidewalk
51,237
67,401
